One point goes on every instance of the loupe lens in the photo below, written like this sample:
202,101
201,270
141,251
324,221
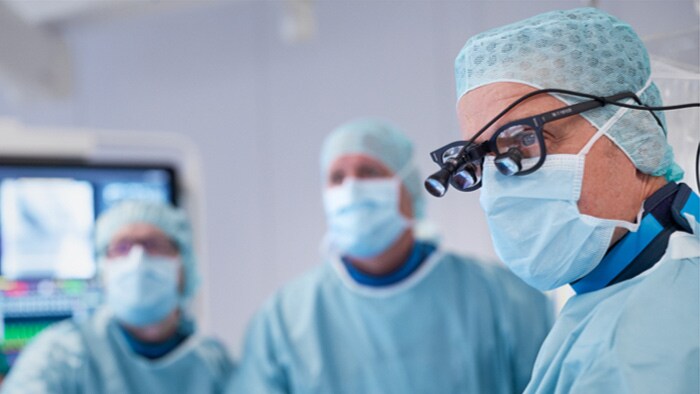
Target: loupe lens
435,187
466,177
509,163
437,183
515,144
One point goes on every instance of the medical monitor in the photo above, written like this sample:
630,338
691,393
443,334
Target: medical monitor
48,267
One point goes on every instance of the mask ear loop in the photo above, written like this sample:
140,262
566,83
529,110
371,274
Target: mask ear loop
404,171
603,130
618,223
401,176
619,114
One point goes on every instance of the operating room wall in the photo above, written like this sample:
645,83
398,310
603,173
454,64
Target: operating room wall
258,107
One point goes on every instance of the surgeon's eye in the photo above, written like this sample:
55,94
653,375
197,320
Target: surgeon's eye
370,172
528,139
521,140
336,178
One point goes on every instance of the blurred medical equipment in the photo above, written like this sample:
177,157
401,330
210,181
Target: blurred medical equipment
518,146
35,62
47,261
53,184
299,22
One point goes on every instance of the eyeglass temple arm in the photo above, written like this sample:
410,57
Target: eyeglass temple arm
614,99
576,109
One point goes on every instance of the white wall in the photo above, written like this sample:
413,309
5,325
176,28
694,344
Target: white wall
258,109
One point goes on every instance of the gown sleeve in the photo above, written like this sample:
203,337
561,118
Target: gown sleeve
527,316
261,370
50,363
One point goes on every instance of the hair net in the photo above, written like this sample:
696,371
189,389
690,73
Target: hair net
172,221
584,50
382,141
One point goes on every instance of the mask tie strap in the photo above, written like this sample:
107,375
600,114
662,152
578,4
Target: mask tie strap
602,130
401,177
404,171
605,127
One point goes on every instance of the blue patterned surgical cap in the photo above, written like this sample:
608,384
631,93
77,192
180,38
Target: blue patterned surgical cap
584,50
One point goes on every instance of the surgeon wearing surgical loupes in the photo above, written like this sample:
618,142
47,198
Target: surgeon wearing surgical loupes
144,339
579,186
389,312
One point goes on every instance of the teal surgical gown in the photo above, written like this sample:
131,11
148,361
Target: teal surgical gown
638,336
94,357
453,326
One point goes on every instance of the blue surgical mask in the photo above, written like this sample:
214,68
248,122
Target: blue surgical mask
535,223
141,289
363,216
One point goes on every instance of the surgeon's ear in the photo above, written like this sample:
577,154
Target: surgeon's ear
181,279
406,203
101,274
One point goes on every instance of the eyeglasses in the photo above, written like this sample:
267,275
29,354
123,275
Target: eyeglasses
152,246
519,147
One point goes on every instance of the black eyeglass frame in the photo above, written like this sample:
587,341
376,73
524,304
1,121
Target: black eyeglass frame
472,154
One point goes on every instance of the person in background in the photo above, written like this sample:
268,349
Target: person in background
143,340
597,205
388,312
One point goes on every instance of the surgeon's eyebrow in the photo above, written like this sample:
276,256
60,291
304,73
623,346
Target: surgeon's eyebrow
370,171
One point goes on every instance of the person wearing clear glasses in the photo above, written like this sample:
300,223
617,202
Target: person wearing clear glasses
389,311
565,137
143,340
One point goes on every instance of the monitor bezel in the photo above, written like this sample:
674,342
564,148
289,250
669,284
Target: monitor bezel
67,162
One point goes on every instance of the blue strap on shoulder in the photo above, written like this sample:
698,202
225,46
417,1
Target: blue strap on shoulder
632,248
692,207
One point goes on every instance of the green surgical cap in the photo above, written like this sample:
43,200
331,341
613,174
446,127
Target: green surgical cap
172,221
584,50
382,141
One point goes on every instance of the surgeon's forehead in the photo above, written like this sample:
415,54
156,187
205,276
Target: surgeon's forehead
357,160
139,230
476,108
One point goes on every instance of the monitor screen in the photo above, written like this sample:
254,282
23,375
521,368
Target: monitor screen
48,264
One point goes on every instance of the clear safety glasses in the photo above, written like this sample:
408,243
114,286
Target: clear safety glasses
519,147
